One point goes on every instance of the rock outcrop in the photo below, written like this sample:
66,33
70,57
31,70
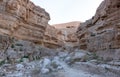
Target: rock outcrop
29,22
14,51
22,19
52,38
61,35
68,33
102,32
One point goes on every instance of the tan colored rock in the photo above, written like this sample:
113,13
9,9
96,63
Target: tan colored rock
60,35
68,33
101,33
22,19
52,38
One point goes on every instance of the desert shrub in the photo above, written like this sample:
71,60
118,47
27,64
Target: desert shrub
94,55
2,62
18,44
12,46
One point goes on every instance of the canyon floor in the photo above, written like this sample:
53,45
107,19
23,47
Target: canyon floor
65,72
62,65
72,72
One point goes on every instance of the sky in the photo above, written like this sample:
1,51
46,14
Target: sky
62,11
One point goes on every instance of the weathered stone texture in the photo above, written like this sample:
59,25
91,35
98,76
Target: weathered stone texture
68,33
22,19
13,50
52,38
102,33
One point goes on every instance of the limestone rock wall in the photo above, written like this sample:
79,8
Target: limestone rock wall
22,19
68,33
102,32
52,38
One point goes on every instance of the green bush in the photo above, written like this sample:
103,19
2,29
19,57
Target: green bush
18,44
94,56
25,57
12,46
2,62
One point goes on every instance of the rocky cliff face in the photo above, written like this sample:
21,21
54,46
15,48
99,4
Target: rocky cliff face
52,38
102,32
61,35
68,33
30,22
22,19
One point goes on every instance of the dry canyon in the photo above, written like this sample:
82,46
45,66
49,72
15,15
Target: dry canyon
30,47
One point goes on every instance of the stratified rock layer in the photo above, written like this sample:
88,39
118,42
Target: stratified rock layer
22,19
102,32
68,33
52,38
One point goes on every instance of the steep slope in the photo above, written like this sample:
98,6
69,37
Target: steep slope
61,35
102,32
68,33
52,38
22,19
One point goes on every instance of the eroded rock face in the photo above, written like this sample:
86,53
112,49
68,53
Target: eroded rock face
13,50
102,32
68,33
61,35
52,38
22,19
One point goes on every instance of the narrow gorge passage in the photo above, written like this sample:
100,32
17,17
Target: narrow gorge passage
30,47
